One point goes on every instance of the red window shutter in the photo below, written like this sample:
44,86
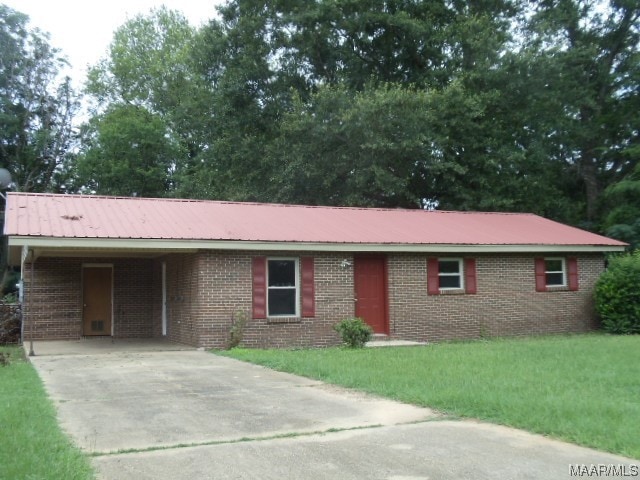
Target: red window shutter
308,288
259,272
470,275
572,269
433,281
541,276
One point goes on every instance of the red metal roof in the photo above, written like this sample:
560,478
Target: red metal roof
85,216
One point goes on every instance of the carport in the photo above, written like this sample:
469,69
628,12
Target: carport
88,293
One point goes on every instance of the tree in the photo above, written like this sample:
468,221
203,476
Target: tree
370,148
127,152
588,53
623,219
36,106
250,93
355,43
266,60
450,140
150,65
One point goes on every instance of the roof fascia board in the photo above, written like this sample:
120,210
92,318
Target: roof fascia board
165,244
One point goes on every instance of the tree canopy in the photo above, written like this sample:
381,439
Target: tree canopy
36,106
127,152
499,105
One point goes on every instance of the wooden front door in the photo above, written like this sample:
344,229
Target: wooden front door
96,298
371,292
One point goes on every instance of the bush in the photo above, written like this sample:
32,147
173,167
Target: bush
10,324
617,295
354,332
10,298
238,322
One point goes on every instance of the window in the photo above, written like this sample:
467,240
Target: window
282,287
450,273
555,272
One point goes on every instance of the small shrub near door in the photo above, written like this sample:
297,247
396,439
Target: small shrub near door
617,295
354,332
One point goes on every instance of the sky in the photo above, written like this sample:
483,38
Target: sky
83,29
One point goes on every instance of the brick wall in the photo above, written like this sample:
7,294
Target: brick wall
134,292
206,291
183,302
55,303
220,291
506,302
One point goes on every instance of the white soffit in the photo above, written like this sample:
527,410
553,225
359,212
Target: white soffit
158,245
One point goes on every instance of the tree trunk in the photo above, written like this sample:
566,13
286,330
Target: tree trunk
589,174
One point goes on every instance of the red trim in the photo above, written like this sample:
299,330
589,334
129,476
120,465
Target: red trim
308,287
433,281
259,283
572,270
470,275
541,276
385,270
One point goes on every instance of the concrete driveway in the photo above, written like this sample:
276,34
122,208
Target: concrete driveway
190,414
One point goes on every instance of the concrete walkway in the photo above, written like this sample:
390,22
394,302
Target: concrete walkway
190,414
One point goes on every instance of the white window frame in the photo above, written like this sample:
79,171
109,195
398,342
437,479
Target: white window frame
563,265
297,286
460,273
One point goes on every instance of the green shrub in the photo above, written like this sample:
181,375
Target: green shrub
354,332
10,298
617,295
238,322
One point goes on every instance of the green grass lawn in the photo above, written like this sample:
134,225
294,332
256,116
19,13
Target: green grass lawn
32,446
584,388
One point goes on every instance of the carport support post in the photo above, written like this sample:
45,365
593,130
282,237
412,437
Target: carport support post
30,303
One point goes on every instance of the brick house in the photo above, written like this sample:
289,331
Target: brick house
187,270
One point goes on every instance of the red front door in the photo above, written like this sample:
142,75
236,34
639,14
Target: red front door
371,292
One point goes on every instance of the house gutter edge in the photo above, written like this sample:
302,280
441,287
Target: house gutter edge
56,243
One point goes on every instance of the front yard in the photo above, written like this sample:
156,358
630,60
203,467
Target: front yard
32,446
584,389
